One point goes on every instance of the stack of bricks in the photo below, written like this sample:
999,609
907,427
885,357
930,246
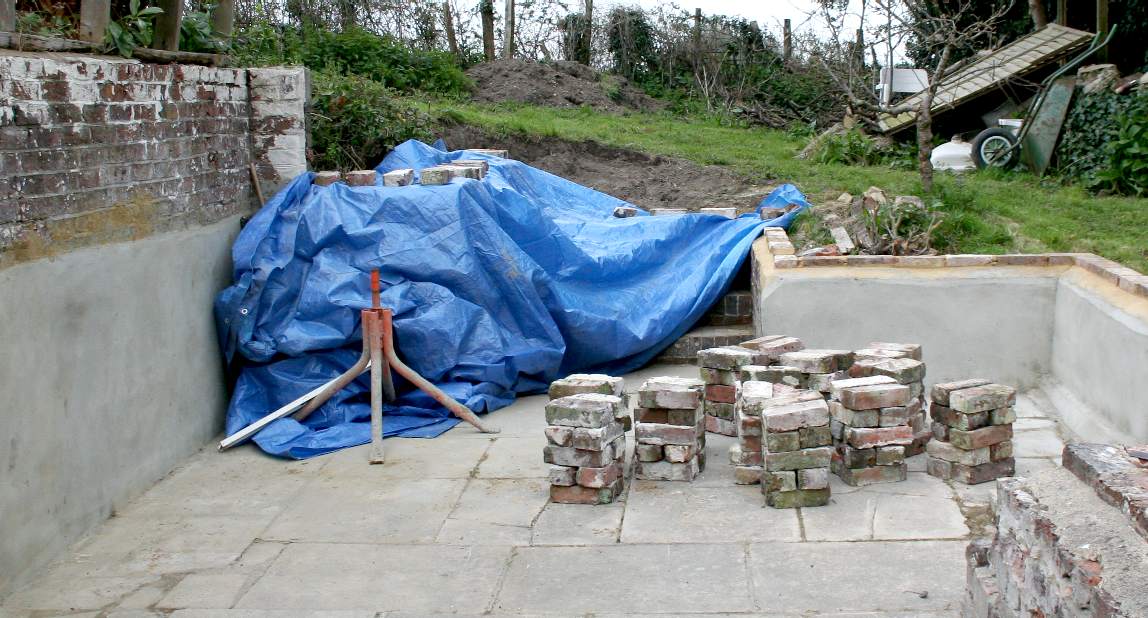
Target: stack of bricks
720,369
902,362
670,430
870,426
585,383
796,446
972,431
586,448
815,370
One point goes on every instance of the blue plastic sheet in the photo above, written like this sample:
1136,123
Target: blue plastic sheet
498,287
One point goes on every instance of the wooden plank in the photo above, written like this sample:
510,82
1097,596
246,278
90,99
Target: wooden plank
32,42
94,17
181,57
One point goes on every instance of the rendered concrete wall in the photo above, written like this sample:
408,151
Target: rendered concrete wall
111,377
1100,354
999,327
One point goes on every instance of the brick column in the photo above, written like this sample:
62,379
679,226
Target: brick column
279,97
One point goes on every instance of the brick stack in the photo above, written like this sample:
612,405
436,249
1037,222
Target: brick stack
902,362
870,426
747,455
815,370
586,448
972,431
670,430
583,383
796,447
719,371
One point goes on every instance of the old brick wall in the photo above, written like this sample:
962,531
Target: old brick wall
97,149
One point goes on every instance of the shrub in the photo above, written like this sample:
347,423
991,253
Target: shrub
1104,142
855,148
355,121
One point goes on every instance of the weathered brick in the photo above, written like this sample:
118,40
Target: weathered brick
854,418
596,438
586,383
812,437
811,361
800,498
324,179
940,431
913,350
747,475
792,416
881,436
678,453
648,452
851,457
940,392
669,392
978,438
1000,451
716,409
569,456
891,417
563,475
747,425
598,478
859,477
887,455
822,382
718,376
654,433
874,396
813,478
587,410
948,452
838,385
721,426
771,347
974,475
559,436
361,178
666,471
779,442
779,481
797,460
721,393
730,358
903,370
576,494
982,398
1002,416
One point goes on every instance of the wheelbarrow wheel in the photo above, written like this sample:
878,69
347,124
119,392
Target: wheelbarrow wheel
995,148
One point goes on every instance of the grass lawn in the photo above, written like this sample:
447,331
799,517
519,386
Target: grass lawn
986,212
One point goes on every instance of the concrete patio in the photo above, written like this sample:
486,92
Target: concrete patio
462,525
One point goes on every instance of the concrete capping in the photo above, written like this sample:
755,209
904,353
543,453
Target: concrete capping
781,252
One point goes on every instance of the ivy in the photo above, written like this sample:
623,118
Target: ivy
1105,141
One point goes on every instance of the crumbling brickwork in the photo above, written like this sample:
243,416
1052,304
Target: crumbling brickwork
98,150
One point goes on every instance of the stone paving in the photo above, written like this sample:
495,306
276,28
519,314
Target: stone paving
462,525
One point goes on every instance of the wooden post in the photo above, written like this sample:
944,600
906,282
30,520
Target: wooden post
1039,14
94,17
698,29
223,18
167,25
508,34
1102,26
486,9
787,41
860,47
448,23
1062,12
7,15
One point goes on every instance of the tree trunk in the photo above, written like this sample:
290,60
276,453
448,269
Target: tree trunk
925,143
223,18
1038,12
587,49
508,33
448,24
167,25
486,8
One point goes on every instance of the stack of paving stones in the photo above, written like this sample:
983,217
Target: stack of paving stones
586,448
796,446
670,430
902,362
871,428
972,431
720,369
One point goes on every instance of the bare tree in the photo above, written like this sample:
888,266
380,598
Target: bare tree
943,27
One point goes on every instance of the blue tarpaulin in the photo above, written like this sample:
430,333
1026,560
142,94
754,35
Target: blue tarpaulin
498,287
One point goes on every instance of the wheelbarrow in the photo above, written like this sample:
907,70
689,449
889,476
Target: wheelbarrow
1033,140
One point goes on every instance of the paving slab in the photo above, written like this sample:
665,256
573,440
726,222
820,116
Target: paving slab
673,512
876,576
495,512
847,517
204,592
408,458
417,578
1027,466
1037,443
677,579
917,517
515,458
578,524
270,613
351,511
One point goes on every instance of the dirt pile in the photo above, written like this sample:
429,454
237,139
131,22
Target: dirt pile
643,180
558,84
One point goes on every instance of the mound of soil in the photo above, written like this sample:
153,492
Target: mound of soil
558,84
643,180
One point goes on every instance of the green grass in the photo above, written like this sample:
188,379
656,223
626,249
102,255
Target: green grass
986,212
